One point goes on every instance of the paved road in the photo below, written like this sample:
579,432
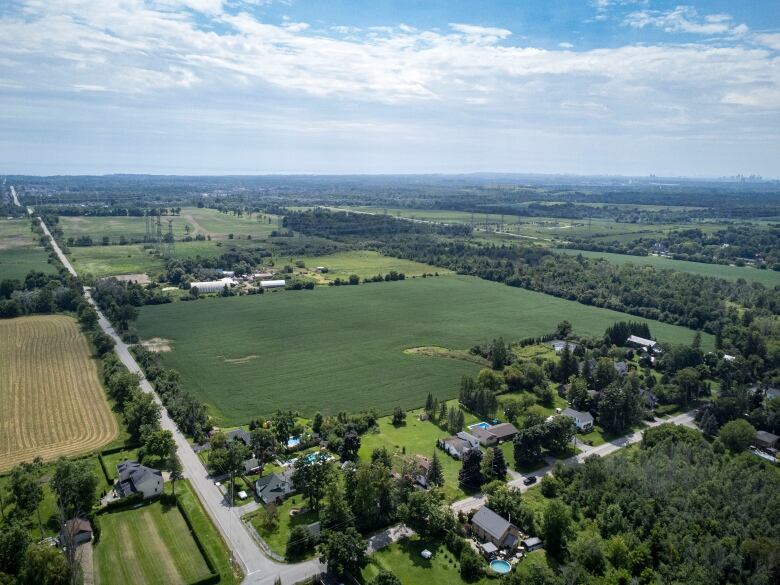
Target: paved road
259,569
15,198
478,500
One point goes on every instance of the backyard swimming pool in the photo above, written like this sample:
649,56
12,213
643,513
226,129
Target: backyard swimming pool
500,567
480,425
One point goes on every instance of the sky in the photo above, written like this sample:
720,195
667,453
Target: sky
621,87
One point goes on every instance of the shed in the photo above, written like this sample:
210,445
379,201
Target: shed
77,529
532,543
766,440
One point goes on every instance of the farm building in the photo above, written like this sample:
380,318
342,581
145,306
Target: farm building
272,283
641,343
212,286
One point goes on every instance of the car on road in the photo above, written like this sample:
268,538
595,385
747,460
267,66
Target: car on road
529,480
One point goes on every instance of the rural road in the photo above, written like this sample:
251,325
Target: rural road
259,569
686,419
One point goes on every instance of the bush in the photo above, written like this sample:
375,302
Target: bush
737,435
470,565
299,543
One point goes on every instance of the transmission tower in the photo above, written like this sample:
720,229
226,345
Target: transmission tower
148,226
158,239
169,250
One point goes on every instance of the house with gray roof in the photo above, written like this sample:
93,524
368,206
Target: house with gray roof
583,420
488,526
765,440
134,478
274,487
455,446
239,435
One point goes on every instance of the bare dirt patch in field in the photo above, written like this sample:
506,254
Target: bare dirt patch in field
51,400
157,344
11,242
241,360
138,278
443,352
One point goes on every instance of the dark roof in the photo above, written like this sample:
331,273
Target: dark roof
460,445
132,477
621,368
583,416
239,434
78,525
272,486
504,430
490,522
766,437
251,464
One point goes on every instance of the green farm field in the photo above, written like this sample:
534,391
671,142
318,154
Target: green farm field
147,545
768,278
19,250
342,348
208,222
363,263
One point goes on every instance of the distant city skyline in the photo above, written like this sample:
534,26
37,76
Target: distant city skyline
585,87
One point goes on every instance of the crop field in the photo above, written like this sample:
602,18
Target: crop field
148,545
208,222
19,251
51,397
342,348
768,278
363,263
134,259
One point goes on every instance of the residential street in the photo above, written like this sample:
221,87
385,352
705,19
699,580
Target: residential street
259,569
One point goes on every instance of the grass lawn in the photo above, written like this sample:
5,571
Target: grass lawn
150,545
342,348
404,561
113,459
416,437
19,250
278,537
768,278
363,263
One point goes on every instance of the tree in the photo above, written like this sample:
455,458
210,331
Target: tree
556,527
298,543
385,578
499,467
336,513
427,512
489,380
350,446
174,467
283,423
435,475
229,460
74,484
14,540
528,445
157,443
263,443
471,566
578,394
470,474
737,434
310,477
141,411
442,412
44,565
563,330
26,491
344,552
498,354
559,432
429,403
399,416
316,423
567,365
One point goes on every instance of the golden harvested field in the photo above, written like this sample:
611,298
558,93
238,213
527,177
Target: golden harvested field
51,399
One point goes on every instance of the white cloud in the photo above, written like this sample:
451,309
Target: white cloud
685,19
771,40
565,45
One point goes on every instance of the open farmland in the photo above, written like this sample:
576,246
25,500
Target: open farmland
768,278
52,400
342,348
364,263
149,545
208,222
19,250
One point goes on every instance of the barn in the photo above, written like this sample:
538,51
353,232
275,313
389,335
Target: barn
212,286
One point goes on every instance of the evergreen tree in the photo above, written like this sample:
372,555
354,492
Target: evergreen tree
470,474
429,403
435,473
499,467
442,412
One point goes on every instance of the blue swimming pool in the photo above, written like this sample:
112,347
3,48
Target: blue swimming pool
480,425
293,442
500,567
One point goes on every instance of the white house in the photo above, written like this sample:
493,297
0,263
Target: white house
583,420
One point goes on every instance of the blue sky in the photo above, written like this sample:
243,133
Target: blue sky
627,87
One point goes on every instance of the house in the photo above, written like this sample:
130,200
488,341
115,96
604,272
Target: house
134,478
252,466
455,446
423,467
641,343
490,527
559,345
274,487
483,436
272,284
583,420
77,531
532,543
504,431
469,438
765,440
621,368
423,416
239,435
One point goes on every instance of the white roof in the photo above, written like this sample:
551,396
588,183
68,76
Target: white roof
272,283
641,341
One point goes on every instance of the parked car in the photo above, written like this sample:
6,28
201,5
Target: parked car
529,480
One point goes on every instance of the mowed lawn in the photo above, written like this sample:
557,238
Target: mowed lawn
19,250
149,545
342,348
364,263
768,278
